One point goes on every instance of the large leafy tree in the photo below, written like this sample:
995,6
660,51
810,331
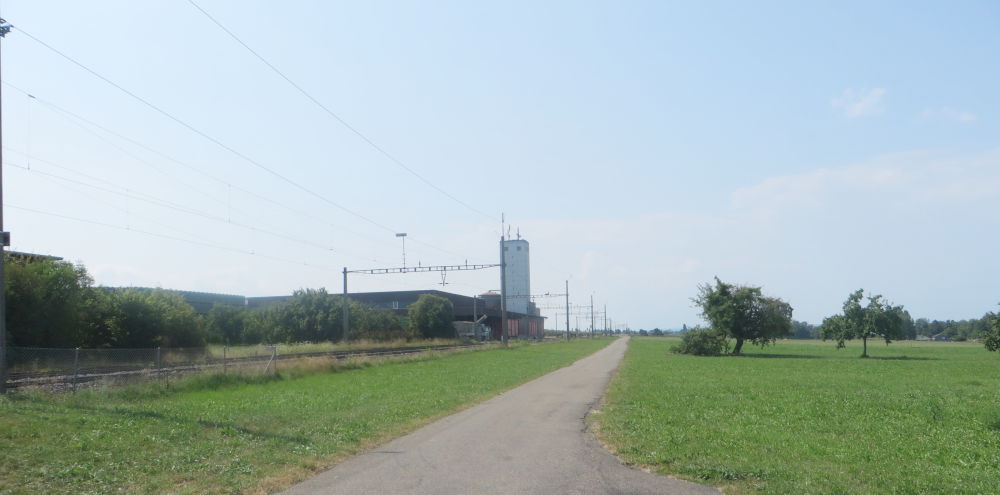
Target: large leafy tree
877,318
432,317
744,313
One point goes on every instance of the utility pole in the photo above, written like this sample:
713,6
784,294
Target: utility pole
346,305
606,320
503,286
592,329
567,311
4,241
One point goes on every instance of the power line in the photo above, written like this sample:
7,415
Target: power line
165,236
206,136
333,114
71,116
148,198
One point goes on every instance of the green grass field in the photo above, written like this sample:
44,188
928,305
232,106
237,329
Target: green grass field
218,434
802,417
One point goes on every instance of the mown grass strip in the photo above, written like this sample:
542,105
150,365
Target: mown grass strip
222,434
804,417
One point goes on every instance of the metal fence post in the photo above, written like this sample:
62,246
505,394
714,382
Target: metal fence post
158,362
225,365
274,357
76,367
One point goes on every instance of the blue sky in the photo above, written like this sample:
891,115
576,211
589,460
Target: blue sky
642,148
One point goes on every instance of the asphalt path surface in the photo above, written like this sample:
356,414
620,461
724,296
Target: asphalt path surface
531,439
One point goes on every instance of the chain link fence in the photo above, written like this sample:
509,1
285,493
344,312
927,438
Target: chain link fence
62,368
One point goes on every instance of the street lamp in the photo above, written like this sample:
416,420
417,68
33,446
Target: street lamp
402,235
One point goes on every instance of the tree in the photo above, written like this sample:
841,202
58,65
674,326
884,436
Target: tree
702,342
909,329
743,313
876,319
803,330
150,318
991,337
225,324
46,302
432,316
380,325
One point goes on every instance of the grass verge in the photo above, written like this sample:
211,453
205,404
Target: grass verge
804,417
240,434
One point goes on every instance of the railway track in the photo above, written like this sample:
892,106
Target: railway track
125,372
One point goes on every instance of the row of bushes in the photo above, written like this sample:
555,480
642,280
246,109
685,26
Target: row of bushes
53,303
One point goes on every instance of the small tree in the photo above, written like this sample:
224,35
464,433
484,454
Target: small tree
876,319
743,313
225,324
432,317
148,318
702,342
991,336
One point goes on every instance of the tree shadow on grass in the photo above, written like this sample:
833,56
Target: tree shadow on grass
769,355
902,358
766,355
147,414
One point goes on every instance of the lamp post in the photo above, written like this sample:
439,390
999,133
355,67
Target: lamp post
402,235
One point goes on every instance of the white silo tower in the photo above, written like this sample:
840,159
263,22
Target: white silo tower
518,275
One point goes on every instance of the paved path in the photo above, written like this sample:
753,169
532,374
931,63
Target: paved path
528,440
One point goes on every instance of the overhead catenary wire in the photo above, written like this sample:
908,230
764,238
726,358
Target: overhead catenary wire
166,236
78,120
338,118
206,136
150,199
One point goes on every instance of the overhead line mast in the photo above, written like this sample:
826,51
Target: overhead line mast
4,242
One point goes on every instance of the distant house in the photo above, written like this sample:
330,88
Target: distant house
941,338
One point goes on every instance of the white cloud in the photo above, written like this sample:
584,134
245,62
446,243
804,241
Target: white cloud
947,113
809,238
860,103
912,177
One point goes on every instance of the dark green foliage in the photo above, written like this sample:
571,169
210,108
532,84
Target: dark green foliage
381,325
702,342
153,318
47,302
313,315
432,316
954,330
803,330
656,332
876,319
992,337
743,313
310,315
224,324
